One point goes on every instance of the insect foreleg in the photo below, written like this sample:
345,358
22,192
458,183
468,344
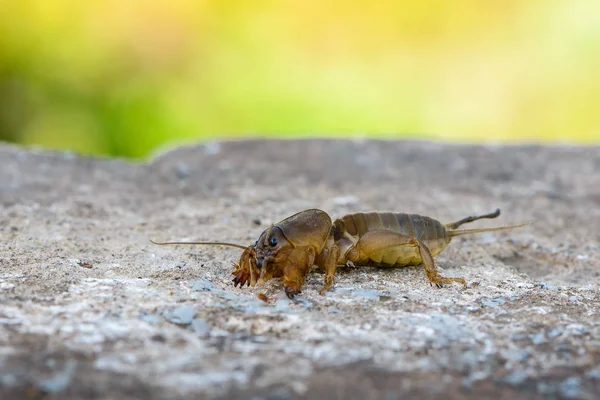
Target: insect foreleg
296,269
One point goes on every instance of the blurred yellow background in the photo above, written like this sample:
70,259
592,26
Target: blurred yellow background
123,77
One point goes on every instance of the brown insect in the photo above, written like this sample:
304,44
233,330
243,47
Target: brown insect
290,248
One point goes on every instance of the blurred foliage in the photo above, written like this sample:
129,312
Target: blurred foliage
122,77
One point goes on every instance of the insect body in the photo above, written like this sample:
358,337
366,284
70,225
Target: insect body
290,248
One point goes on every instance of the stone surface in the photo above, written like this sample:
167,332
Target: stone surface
91,309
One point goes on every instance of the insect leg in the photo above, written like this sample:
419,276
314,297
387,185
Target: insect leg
296,269
379,240
330,268
434,277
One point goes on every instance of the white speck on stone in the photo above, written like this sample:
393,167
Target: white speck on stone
540,310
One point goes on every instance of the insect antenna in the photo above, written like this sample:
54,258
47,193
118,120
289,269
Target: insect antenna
239,246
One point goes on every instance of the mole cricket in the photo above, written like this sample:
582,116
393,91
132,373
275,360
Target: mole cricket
290,248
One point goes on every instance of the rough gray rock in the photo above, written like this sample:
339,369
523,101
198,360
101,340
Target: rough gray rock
90,308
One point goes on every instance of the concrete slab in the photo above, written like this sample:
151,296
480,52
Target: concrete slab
91,309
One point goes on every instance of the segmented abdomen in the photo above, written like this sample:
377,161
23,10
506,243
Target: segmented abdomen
426,230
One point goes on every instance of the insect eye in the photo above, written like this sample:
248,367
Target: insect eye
273,241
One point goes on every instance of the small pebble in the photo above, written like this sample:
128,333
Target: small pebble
577,330
60,381
282,306
538,339
562,347
8,380
158,338
498,301
304,302
84,263
571,388
202,285
181,315
367,294
517,337
263,297
182,171
546,388
200,327
151,319
594,374
555,333
515,378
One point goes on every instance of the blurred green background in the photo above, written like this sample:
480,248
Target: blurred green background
124,77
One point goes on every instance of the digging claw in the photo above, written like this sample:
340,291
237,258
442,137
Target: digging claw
440,281
291,293
240,280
